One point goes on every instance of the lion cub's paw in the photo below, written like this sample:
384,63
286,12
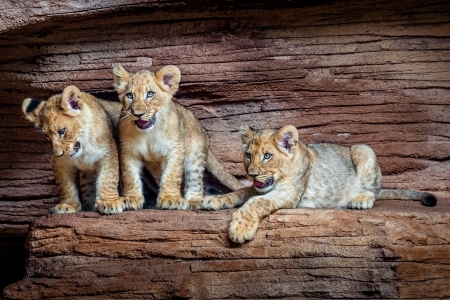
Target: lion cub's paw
215,202
133,202
361,202
172,202
194,203
110,206
242,228
64,208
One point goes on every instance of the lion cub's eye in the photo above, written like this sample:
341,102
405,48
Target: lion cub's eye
150,95
248,155
61,131
267,156
129,96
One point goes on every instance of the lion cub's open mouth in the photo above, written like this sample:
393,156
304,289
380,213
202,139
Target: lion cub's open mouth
75,149
261,185
142,124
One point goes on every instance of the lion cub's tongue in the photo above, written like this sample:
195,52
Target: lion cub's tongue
142,123
258,184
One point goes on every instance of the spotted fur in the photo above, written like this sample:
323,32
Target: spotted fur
166,138
287,173
80,128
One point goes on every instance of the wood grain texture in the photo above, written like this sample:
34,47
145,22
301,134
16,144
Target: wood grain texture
396,250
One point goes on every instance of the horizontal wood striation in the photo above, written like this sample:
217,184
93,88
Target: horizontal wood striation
396,250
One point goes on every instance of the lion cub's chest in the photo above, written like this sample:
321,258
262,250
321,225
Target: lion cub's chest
154,147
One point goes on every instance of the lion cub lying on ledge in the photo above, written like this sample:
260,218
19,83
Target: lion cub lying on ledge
287,173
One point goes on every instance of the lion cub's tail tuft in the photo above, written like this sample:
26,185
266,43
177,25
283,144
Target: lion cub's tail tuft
427,199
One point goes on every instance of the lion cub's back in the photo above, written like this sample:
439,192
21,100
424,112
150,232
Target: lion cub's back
331,176
113,109
191,125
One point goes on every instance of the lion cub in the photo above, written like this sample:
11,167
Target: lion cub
166,138
80,128
287,173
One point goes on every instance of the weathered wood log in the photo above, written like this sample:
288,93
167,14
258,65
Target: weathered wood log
399,249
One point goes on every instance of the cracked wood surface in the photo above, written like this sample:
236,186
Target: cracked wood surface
396,250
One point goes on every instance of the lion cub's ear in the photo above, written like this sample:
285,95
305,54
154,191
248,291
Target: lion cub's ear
71,101
287,138
31,109
246,134
168,79
121,78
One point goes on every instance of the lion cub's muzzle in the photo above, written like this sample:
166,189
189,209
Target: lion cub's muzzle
143,124
75,149
261,185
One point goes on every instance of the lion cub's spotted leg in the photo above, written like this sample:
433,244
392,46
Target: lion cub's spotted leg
229,200
68,193
131,180
88,190
170,184
194,167
368,177
108,199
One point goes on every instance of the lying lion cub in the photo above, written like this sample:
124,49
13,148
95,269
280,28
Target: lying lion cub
80,128
287,173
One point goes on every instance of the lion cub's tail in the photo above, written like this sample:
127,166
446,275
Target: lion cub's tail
427,199
215,167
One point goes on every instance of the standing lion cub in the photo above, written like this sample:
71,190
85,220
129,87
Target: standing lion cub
287,173
166,138
80,128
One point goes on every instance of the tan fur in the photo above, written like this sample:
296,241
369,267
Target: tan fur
165,137
287,173
80,128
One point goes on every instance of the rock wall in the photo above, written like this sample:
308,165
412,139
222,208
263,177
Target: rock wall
345,71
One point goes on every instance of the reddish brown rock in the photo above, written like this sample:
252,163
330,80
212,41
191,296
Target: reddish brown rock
371,72
396,250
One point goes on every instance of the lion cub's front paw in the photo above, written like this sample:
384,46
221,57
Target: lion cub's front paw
172,202
362,202
194,203
133,202
215,202
242,228
64,208
110,206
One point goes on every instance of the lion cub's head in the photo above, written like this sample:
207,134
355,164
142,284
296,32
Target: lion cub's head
61,118
268,155
145,93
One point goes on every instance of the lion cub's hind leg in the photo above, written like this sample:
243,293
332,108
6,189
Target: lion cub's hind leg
88,190
194,168
368,177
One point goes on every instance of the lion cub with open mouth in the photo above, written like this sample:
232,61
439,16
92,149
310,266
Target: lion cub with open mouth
287,173
80,128
166,138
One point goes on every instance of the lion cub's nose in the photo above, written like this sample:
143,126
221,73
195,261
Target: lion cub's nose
253,175
138,115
